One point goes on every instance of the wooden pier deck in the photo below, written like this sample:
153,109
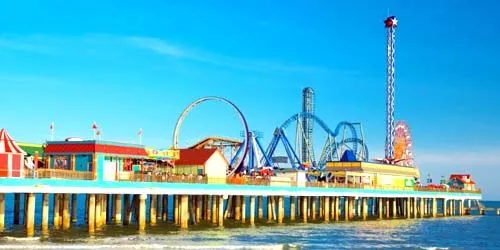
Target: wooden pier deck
139,203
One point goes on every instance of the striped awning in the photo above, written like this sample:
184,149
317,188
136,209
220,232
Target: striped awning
8,145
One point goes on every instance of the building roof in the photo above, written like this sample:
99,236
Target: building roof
8,145
460,177
196,157
93,146
31,148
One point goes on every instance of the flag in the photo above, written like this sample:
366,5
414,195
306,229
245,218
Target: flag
139,133
51,127
98,132
94,125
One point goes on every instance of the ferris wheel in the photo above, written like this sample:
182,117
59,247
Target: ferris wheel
403,145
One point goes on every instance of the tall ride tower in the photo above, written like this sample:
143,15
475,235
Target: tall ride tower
307,125
390,24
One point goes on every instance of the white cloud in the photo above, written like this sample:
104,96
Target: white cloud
163,47
64,45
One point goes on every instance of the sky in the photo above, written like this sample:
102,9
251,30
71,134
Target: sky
132,64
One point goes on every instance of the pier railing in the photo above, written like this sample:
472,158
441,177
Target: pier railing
63,174
240,180
163,178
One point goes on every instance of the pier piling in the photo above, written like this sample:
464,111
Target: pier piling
45,212
74,208
66,215
293,210
252,210
152,209
142,212
91,212
30,215
2,212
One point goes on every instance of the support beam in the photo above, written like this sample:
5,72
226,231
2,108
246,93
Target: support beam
127,217
237,208
281,210
434,208
365,208
98,210
380,208
394,208
326,209
314,210
215,200
164,214
346,208
337,208
415,208
221,210
66,213
445,207
243,209
74,208
408,208
2,212
142,212
152,209
45,212
176,209
118,209
269,209
261,208
199,206
252,210
30,215
422,208
91,212
293,210
184,211
304,209
56,217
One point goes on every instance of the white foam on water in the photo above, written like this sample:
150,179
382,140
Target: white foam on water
138,246
434,248
19,239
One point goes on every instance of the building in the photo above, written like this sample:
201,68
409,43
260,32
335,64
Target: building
11,156
107,161
462,181
373,174
209,162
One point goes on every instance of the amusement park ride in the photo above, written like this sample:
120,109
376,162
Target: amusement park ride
344,143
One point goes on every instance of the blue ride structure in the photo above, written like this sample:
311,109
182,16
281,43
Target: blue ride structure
345,137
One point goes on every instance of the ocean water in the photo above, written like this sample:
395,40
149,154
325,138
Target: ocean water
468,232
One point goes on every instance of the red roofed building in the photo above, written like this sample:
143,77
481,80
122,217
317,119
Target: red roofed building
11,156
209,162
462,181
105,159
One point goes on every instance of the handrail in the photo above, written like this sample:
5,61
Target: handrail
234,180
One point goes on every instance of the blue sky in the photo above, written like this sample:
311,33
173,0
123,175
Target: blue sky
127,65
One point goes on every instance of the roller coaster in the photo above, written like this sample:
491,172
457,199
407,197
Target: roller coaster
346,139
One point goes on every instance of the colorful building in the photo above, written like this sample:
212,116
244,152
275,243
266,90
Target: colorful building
106,160
11,156
373,174
209,162
462,181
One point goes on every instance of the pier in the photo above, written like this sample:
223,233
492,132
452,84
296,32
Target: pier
126,203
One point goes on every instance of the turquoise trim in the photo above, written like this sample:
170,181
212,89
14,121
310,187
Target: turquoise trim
215,187
100,167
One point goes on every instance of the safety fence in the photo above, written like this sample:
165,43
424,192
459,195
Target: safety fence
199,179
